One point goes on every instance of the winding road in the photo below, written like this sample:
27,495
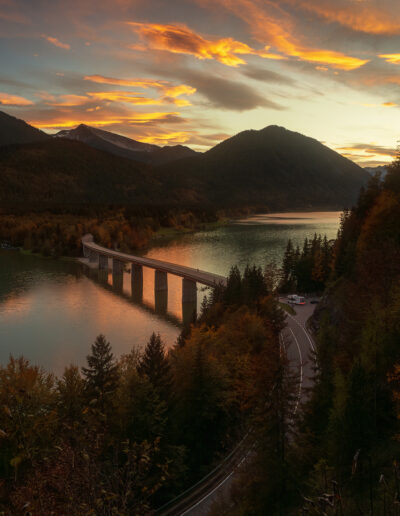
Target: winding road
299,346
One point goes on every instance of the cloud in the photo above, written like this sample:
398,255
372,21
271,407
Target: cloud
167,138
171,93
391,58
179,39
130,97
62,120
63,100
359,16
262,74
273,26
365,153
227,93
13,100
56,42
166,87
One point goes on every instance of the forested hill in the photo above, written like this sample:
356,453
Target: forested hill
14,130
65,171
350,432
273,168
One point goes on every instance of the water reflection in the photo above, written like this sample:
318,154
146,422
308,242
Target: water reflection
51,311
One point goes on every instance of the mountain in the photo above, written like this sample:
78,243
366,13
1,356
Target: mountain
65,171
125,147
14,130
381,169
271,168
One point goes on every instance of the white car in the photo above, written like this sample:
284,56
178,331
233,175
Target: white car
294,299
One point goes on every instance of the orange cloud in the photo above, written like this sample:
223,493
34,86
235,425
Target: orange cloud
129,97
165,86
139,83
181,40
170,92
359,16
166,138
278,30
63,100
364,152
390,104
134,118
56,42
391,58
13,100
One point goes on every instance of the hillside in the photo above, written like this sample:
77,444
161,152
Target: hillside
273,168
13,130
125,147
66,171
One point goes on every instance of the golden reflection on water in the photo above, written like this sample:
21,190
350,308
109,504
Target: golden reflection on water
52,311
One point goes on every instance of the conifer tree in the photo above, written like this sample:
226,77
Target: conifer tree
102,371
155,365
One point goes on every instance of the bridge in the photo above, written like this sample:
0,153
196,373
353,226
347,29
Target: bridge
99,256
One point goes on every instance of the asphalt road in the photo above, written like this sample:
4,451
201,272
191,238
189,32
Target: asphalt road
299,345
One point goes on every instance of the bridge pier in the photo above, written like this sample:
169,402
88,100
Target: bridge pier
189,291
137,282
189,313
93,257
103,262
161,301
160,280
118,266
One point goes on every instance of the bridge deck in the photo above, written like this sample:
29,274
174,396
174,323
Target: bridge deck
203,277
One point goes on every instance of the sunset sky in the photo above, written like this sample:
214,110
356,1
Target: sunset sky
197,71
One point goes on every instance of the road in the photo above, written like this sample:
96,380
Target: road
299,345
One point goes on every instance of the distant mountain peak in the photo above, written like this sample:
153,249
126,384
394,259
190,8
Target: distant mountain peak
124,146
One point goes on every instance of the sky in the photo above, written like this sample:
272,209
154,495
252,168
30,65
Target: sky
195,72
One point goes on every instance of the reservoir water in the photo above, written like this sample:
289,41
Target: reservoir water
51,311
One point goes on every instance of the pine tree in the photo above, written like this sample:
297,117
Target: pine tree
233,291
102,371
288,267
155,365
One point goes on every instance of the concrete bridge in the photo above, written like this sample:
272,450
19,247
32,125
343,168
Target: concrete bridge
98,255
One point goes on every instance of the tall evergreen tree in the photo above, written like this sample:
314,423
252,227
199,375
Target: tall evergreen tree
155,365
102,371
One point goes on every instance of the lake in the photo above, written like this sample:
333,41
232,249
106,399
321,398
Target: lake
52,310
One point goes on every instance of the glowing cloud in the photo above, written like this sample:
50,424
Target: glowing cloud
56,42
364,152
134,118
63,100
358,16
166,87
278,32
182,40
129,97
13,100
166,138
391,58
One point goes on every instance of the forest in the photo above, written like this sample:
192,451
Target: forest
57,232
342,453
124,436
